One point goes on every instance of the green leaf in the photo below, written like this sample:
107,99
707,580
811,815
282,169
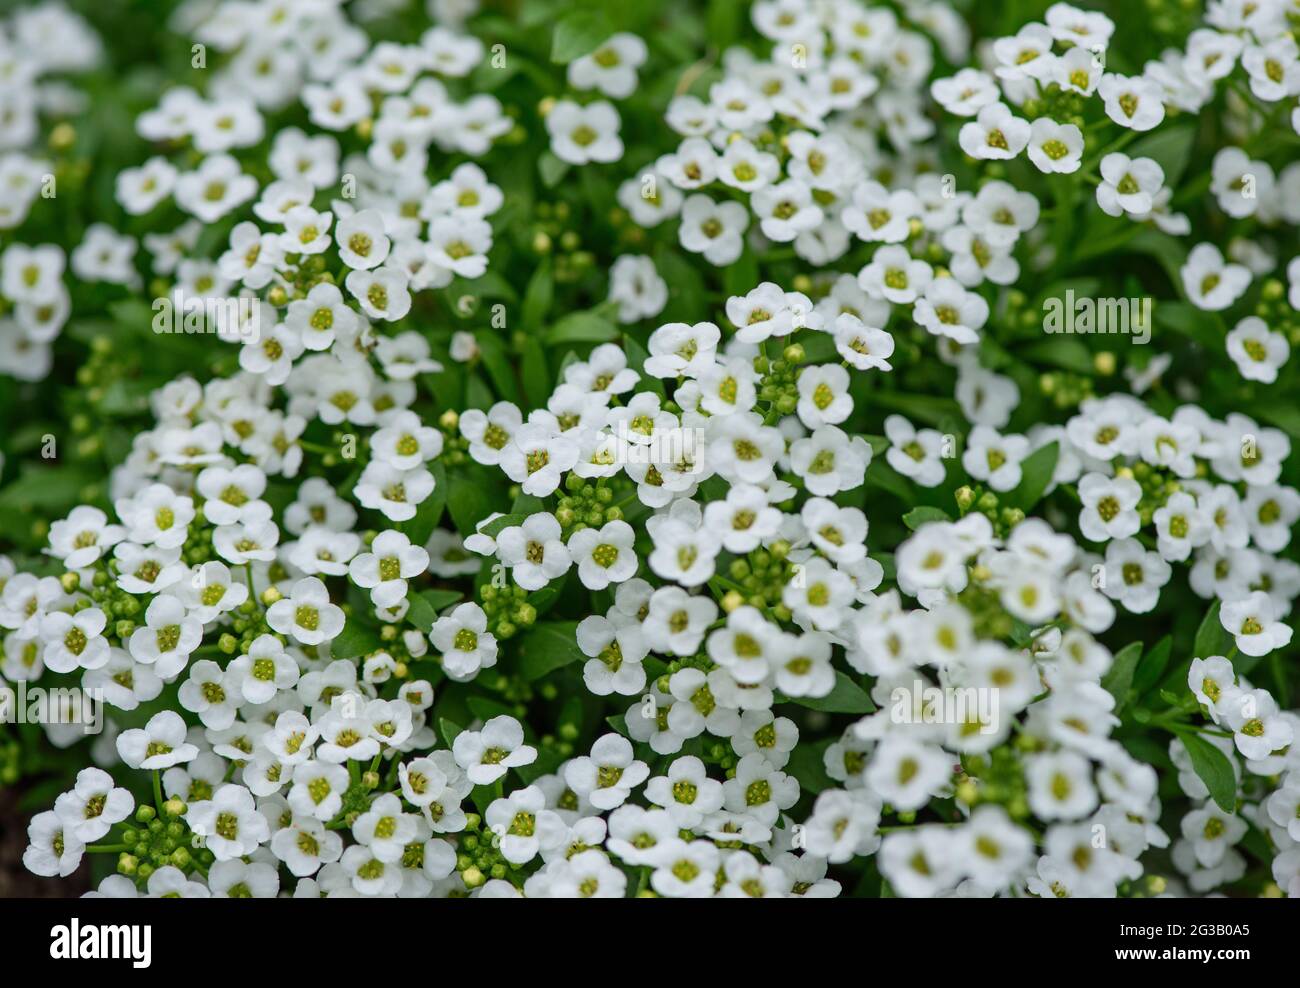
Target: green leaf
578,34
882,475
429,513
918,408
1153,665
354,640
1064,352
808,764
1170,148
538,296
485,707
448,730
1214,769
536,373
552,169
689,297
724,22
1119,677
1166,249
498,525
742,276
1285,416
582,327
845,697
1187,320
1036,474
923,515
1209,636
41,487
549,646
497,362
472,495
619,723
426,605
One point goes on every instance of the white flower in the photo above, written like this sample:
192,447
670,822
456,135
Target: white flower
865,347
212,693
713,229
384,570
140,189
995,134
635,285
607,777
1270,512
1026,55
786,210
159,744
75,641
1109,507
1129,185
396,493
685,870
582,134
894,275
306,614
1132,102
215,188
616,646
611,68
464,641
1257,352
915,453
759,790
1252,621
94,804
1180,527
264,670
1211,283
1240,183
1134,576
81,538
605,555
229,822
524,825
385,830
1274,68
947,309
876,214
1258,727
995,459
681,350
53,847
362,241
383,292
1060,786
534,551
322,317
745,167
537,458
966,93
317,791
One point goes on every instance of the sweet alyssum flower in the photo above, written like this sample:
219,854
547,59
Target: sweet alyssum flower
685,575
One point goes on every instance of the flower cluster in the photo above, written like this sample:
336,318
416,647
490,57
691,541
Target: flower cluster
559,484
